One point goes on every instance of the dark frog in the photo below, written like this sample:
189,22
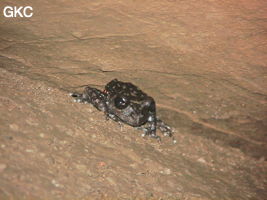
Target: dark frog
124,102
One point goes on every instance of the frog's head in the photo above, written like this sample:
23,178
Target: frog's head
132,112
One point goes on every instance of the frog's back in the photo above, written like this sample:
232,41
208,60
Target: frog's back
126,89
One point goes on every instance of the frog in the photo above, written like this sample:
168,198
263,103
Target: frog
125,103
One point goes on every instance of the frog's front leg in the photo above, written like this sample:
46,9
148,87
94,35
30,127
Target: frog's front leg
92,96
114,118
151,127
149,108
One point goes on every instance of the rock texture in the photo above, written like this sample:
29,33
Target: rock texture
203,61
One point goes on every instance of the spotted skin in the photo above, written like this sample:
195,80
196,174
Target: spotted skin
126,103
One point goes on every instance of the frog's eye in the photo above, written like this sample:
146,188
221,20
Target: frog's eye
121,102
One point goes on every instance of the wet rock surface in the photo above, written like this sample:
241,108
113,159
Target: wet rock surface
204,62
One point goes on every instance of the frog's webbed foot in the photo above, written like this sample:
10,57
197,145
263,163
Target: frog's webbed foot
147,132
150,128
165,129
152,134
